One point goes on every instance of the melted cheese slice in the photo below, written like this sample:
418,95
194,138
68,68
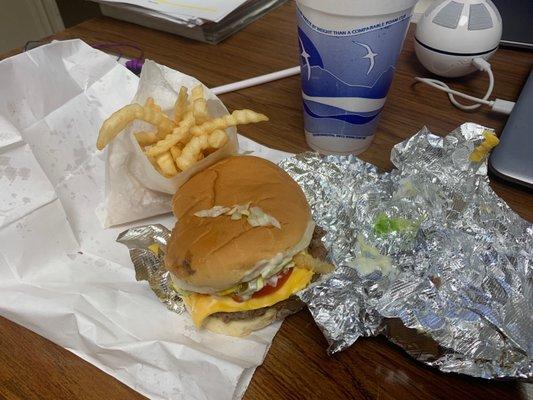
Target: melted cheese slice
201,306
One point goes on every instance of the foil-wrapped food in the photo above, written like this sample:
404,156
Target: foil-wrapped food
427,255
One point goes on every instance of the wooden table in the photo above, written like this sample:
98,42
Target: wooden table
296,366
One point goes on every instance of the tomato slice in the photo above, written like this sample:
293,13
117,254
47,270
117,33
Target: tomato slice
268,289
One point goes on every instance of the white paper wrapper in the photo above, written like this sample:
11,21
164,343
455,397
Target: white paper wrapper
134,188
61,274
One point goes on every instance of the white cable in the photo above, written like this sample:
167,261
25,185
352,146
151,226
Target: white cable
501,106
481,65
486,97
445,88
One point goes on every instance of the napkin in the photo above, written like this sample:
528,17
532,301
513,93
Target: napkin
61,274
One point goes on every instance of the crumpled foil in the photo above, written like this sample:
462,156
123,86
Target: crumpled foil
149,266
459,293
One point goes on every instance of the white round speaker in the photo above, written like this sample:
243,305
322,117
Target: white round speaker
452,33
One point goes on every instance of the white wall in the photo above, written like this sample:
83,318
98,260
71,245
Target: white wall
25,20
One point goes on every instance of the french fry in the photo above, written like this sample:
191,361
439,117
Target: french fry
191,151
197,92
198,104
180,106
238,117
164,124
180,134
217,139
199,109
122,118
150,103
166,164
175,151
146,138
176,143
305,260
483,150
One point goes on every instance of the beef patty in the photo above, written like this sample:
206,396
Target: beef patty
283,309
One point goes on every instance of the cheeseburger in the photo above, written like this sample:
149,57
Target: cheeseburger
240,248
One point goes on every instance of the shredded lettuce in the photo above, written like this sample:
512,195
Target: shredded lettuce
260,218
254,215
213,212
385,225
274,269
246,289
231,290
239,210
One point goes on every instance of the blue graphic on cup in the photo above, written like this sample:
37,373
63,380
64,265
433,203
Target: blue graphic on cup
346,78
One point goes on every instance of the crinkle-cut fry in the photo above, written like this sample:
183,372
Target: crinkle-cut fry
190,152
179,134
180,106
122,118
197,104
116,123
146,138
166,164
161,121
199,109
193,151
483,150
175,151
305,260
238,117
197,92
150,103
217,139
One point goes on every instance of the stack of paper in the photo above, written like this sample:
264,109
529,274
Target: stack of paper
189,12
205,20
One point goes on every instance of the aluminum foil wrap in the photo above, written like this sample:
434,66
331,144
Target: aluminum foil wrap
427,255
149,265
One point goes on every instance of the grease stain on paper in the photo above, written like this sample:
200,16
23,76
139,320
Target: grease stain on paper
11,173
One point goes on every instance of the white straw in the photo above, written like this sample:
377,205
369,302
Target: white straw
258,80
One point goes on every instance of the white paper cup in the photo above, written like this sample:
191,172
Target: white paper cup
348,54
